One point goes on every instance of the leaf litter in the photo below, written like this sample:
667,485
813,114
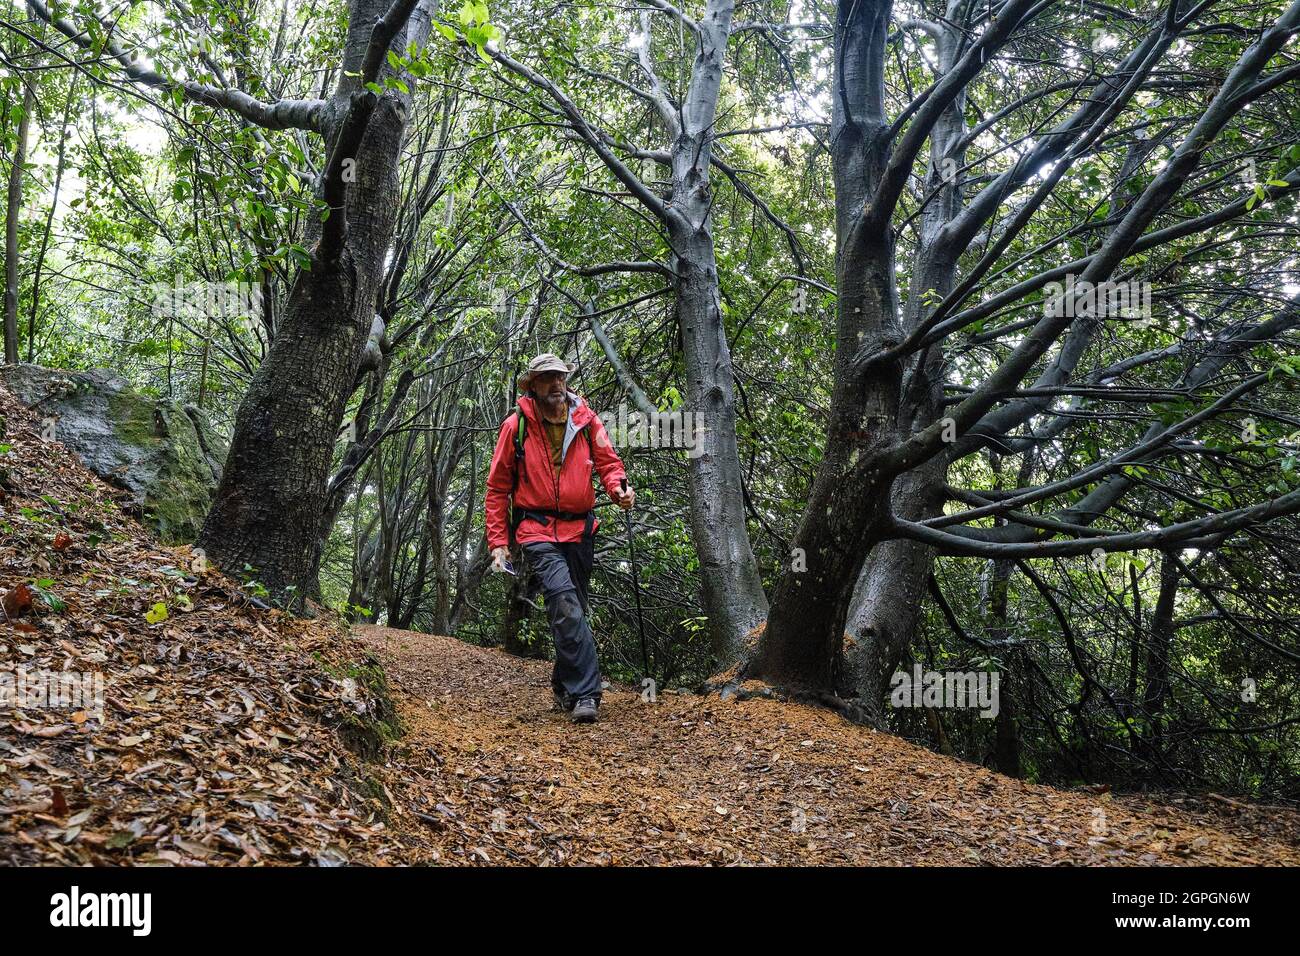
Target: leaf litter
498,776
215,740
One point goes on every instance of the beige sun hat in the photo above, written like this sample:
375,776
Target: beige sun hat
546,362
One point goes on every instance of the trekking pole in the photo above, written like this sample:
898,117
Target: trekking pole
636,588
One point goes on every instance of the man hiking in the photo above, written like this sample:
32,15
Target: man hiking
539,496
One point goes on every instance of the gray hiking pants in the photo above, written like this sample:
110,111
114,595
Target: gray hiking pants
563,570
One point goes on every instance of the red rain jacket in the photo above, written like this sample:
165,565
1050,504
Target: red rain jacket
538,486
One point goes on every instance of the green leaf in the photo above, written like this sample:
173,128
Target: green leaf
157,614
53,601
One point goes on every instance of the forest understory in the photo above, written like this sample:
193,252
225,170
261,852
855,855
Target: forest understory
222,741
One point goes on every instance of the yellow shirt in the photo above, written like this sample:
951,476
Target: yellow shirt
555,435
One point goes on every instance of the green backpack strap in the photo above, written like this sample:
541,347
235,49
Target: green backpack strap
521,432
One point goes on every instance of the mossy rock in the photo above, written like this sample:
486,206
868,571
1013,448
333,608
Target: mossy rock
167,455
366,733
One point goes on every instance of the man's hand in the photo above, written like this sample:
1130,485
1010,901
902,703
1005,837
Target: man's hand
500,557
626,497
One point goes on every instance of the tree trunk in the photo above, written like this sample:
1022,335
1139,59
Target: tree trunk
1006,732
1159,639
733,596
507,635
13,212
266,514
848,504
60,164
859,647
887,601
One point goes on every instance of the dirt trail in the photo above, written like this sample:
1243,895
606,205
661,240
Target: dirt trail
492,774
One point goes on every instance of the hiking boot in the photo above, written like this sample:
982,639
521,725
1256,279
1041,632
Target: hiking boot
584,712
561,701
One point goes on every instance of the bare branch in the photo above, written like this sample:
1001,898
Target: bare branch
282,114
594,137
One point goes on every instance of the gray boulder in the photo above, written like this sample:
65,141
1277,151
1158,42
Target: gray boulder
167,455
